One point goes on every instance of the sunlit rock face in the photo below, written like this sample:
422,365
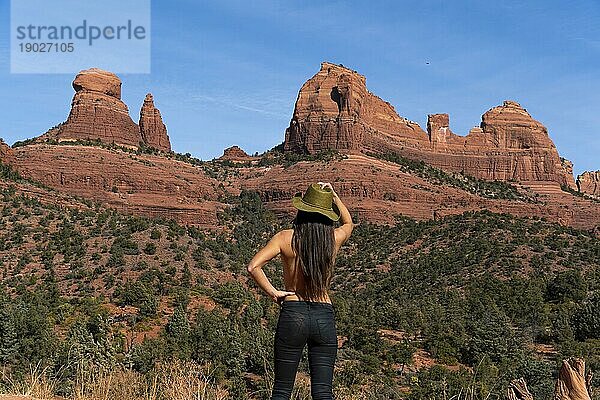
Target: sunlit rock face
335,110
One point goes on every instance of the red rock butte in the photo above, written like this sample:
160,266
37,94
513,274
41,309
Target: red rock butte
97,113
235,153
335,110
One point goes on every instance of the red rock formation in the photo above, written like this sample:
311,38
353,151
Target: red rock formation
375,189
143,184
589,183
6,153
152,128
235,153
334,110
98,80
438,129
567,166
533,155
509,145
97,112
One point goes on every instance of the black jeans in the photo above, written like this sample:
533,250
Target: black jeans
301,323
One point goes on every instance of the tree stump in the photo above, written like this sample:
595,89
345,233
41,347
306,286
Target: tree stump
572,383
517,390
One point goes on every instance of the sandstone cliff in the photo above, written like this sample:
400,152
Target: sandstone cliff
508,145
375,190
334,110
98,113
152,128
143,184
589,183
6,153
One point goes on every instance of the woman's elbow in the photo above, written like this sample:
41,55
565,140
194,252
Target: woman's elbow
251,267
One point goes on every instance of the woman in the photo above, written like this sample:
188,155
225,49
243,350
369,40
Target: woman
308,253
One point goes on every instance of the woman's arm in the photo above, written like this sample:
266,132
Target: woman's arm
267,253
345,218
345,230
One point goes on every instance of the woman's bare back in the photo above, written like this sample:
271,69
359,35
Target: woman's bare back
292,277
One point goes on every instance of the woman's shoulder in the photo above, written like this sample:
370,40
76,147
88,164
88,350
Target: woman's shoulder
284,236
285,241
285,233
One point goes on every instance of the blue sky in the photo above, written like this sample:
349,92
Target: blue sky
228,72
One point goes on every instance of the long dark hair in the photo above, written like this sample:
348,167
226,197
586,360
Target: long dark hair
313,242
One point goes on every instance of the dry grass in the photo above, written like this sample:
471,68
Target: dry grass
179,380
36,384
185,380
115,384
176,380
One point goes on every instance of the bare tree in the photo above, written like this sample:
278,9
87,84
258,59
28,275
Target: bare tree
572,383
517,390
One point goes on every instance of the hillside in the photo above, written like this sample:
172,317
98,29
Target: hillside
377,187
464,301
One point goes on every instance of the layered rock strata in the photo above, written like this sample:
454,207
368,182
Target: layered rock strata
98,113
375,190
145,184
334,110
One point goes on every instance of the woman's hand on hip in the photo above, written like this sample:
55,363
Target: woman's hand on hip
279,295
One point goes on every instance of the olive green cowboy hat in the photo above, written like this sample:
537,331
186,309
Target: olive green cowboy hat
317,199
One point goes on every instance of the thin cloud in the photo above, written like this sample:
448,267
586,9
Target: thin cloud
229,101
